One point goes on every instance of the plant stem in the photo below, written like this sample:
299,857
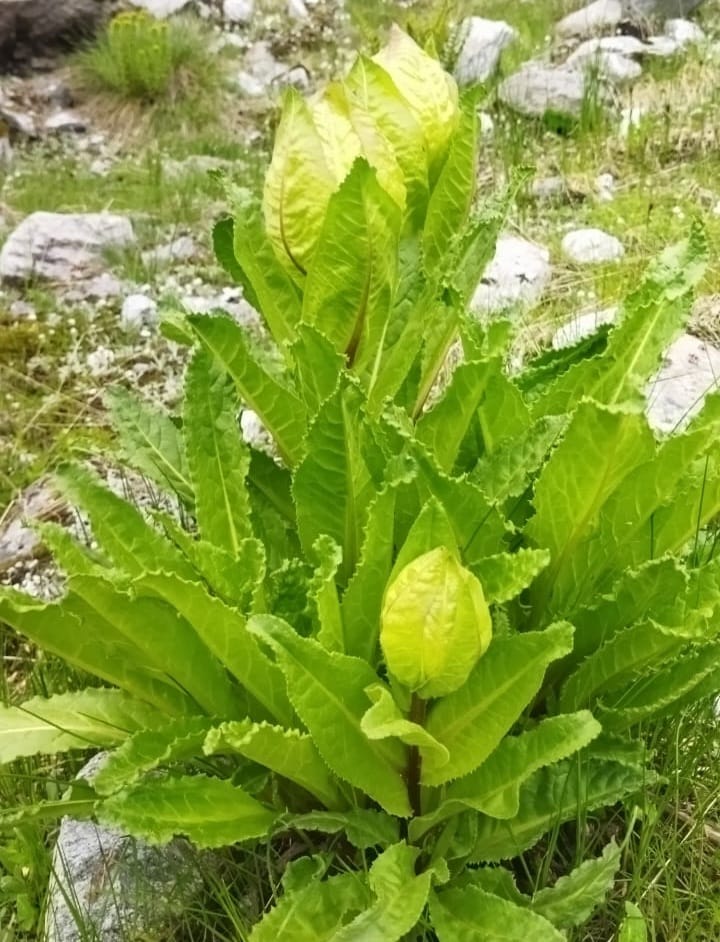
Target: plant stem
414,764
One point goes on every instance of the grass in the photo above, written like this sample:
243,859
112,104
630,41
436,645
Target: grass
178,103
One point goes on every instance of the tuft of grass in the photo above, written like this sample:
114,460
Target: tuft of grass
144,59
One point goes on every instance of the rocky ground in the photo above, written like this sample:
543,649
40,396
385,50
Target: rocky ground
106,211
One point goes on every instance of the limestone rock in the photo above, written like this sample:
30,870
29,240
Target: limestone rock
591,246
537,89
238,11
677,391
484,41
515,278
597,17
582,326
62,247
65,121
684,32
658,9
138,311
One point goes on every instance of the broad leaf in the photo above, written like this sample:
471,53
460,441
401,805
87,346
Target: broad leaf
505,575
318,367
217,457
471,722
95,717
384,720
328,692
209,811
471,914
364,828
573,898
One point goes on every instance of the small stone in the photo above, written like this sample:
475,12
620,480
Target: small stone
65,121
676,393
56,93
100,362
23,309
594,18
179,250
537,89
138,311
481,48
662,46
582,326
591,247
161,9
486,125
684,32
19,122
605,187
18,540
549,189
297,10
515,278
238,11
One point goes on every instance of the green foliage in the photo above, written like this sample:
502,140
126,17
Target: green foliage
142,58
425,632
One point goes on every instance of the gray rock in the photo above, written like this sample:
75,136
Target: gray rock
658,9
181,249
102,287
591,247
582,326
595,18
62,247
19,122
684,32
484,41
605,187
549,189
614,67
515,278
537,89
115,887
65,121
297,10
195,163
31,26
676,393
161,9
19,541
238,11
138,311
627,46
262,73
662,46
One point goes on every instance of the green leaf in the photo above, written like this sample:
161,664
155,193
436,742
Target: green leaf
224,631
169,644
364,828
208,811
324,594
333,487
75,632
286,752
601,447
471,722
384,720
150,442
350,283
574,897
278,407
637,648
471,914
552,796
130,542
149,749
318,367
494,788
453,193
431,529
505,575
328,692
217,457
401,898
652,317
315,911
94,717
443,428
634,927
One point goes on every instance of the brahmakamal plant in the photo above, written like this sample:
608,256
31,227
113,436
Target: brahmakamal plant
431,625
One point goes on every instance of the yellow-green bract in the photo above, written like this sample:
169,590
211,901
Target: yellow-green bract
435,624
397,110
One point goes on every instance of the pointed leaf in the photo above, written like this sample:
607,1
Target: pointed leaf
471,722
364,828
505,575
470,914
384,720
318,367
328,691
574,897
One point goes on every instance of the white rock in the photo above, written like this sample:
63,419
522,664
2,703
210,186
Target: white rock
61,247
615,68
623,45
22,309
138,311
605,187
161,9
238,11
549,189
65,121
100,361
179,250
537,89
662,46
481,49
594,18
591,246
582,326
18,121
486,124
297,10
684,32
676,393
515,278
